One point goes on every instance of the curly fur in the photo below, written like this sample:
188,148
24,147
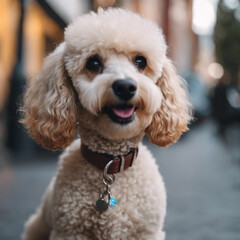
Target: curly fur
172,119
65,93
49,105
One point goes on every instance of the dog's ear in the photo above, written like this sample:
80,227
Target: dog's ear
49,109
171,120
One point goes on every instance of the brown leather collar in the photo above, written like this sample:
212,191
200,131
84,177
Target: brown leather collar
100,160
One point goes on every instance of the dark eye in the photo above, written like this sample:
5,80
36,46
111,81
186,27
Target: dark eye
94,64
140,62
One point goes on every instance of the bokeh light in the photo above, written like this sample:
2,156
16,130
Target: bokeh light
204,17
231,4
215,70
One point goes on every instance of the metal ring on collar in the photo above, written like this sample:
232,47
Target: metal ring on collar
108,178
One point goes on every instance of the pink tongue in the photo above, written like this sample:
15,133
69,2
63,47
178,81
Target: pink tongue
124,113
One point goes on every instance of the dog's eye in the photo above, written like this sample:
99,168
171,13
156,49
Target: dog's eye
94,64
140,62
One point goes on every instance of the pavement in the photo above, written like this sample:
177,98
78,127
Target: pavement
201,172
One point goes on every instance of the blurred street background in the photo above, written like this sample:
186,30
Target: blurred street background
201,171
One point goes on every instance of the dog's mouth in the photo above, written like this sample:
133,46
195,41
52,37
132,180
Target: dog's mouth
122,113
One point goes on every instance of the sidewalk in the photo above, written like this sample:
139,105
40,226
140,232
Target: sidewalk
203,186
202,180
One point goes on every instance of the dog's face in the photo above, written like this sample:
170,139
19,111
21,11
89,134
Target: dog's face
117,95
116,63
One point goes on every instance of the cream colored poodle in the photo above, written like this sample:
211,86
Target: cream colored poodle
111,82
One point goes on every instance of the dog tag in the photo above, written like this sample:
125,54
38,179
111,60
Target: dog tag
101,205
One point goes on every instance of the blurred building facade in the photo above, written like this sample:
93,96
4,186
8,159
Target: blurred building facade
42,32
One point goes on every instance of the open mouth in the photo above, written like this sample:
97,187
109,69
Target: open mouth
122,114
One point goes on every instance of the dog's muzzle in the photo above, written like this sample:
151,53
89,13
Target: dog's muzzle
123,112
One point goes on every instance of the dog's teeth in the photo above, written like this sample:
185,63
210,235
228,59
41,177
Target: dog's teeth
123,113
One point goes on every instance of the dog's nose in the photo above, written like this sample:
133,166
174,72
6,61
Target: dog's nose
125,89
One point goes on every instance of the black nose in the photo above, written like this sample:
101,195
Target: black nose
125,89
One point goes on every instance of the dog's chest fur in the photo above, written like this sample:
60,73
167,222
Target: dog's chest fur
138,215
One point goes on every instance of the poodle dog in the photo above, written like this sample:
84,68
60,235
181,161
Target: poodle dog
111,83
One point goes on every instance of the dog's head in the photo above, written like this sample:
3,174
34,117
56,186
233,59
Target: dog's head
112,75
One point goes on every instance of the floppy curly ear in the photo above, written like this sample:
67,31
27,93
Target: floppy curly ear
171,120
49,104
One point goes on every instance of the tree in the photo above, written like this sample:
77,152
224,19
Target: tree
227,39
